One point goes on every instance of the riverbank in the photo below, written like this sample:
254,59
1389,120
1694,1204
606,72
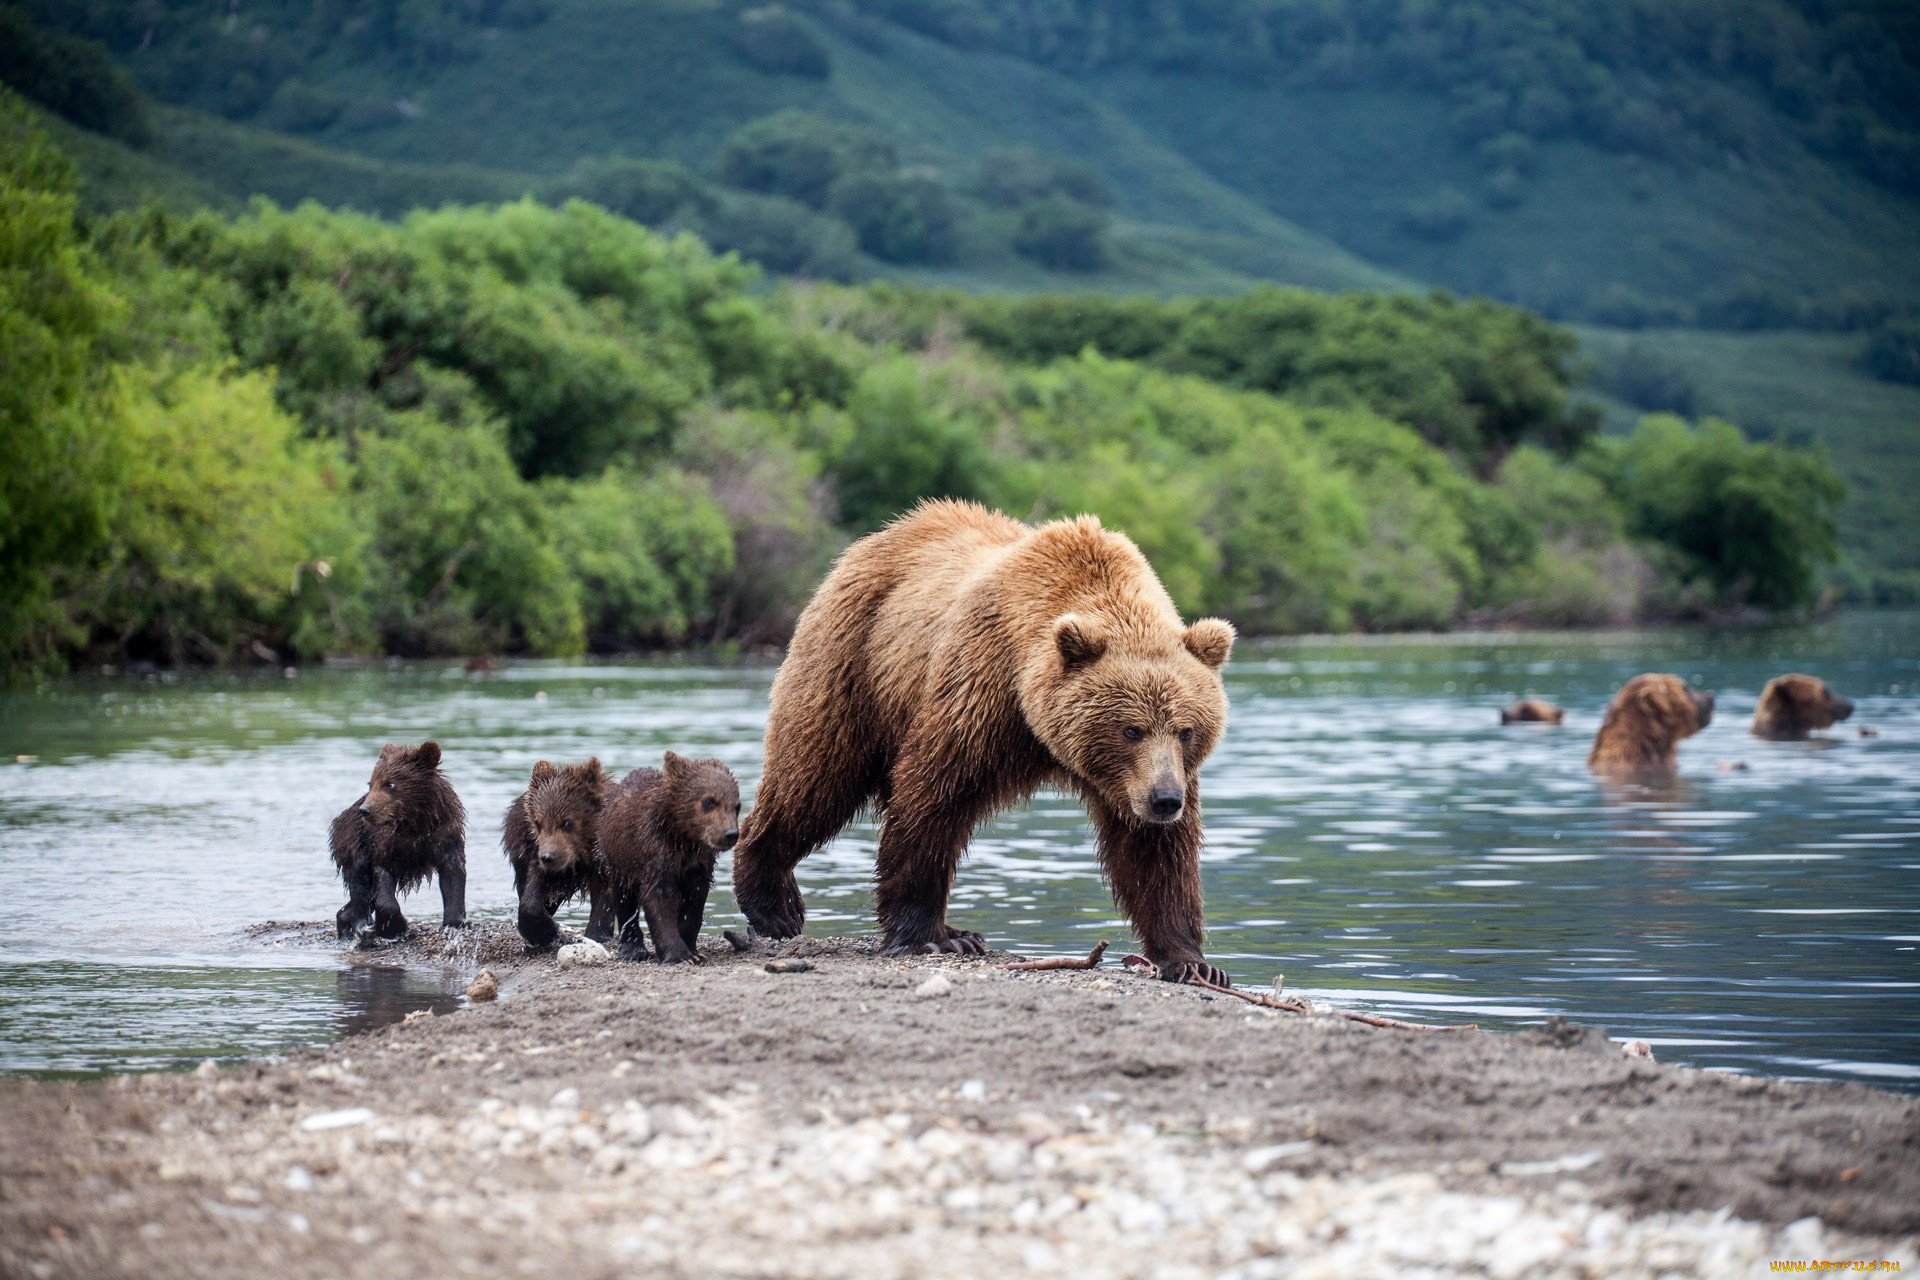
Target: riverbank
729,1121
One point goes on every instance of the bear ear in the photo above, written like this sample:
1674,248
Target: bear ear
391,751
543,772
592,772
1079,639
428,754
676,764
1210,640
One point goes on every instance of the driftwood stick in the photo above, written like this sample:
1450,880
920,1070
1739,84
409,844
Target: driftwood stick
1302,1006
1092,961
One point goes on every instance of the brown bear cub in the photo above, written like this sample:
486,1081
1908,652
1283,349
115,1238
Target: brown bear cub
1793,706
551,836
1645,722
660,832
1532,711
951,665
408,827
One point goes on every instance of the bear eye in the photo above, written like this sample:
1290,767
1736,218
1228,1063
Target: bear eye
709,804
389,784
567,824
1131,734
1186,735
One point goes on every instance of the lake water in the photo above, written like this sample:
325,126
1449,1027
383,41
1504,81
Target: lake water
1373,834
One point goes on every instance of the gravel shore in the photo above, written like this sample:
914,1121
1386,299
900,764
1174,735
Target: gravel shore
936,1117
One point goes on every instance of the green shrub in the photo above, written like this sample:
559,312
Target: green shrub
1063,234
903,440
800,156
898,217
649,553
784,236
71,77
650,192
1013,176
1756,521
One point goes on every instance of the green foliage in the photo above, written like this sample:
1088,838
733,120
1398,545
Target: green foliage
1063,234
800,156
650,554
229,529
650,192
1754,520
1008,177
903,439
1647,379
73,77
58,411
898,217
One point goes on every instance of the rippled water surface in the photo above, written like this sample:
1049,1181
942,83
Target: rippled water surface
1373,834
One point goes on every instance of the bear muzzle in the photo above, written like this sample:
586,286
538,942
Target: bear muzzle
1842,708
1164,804
1703,705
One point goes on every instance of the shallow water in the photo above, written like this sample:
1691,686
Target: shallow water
1373,834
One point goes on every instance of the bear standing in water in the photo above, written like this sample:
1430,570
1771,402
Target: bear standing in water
1645,722
660,831
954,663
550,836
1793,706
408,827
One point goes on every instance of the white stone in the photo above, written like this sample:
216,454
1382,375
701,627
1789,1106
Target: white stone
933,987
344,1119
584,952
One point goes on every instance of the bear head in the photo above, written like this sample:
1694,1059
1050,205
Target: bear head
406,789
1532,711
1646,719
563,812
1131,712
701,802
1792,706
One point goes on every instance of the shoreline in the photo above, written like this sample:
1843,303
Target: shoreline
857,1118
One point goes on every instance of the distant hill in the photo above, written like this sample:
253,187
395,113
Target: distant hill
1727,165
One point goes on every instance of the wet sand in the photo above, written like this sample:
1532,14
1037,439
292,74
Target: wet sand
722,1120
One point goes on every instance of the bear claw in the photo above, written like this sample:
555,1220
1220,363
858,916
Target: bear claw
1196,971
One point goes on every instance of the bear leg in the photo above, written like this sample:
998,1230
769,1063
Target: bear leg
805,797
695,885
453,890
358,913
388,922
931,811
601,920
662,906
1155,874
535,921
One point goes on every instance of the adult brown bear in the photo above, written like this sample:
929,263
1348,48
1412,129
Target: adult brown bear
1792,706
955,662
1645,722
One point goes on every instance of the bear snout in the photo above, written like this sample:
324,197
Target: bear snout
1165,803
729,838
1842,708
548,858
1703,702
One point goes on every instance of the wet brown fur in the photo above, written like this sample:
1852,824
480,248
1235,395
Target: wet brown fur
1792,706
550,836
951,665
1532,711
1644,725
406,829
660,831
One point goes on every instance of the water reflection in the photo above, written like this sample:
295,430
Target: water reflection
1373,832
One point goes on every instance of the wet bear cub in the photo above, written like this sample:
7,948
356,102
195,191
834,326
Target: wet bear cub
408,827
659,835
550,837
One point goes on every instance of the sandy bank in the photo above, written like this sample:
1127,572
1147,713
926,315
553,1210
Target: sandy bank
723,1120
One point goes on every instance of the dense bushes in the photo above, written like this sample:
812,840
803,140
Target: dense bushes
530,429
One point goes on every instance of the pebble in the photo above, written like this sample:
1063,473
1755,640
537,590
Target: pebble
584,952
933,987
207,1070
345,1119
484,986
1637,1049
788,966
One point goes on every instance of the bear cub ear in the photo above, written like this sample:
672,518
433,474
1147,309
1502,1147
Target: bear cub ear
676,764
592,772
1210,640
1080,640
543,771
428,755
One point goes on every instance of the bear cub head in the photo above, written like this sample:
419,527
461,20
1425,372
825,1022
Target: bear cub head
1792,706
1646,720
562,814
407,790
1133,713
700,803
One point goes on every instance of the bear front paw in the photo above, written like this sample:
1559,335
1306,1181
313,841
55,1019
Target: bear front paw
454,922
1197,971
388,922
349,923
774,911
942,940
633,952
